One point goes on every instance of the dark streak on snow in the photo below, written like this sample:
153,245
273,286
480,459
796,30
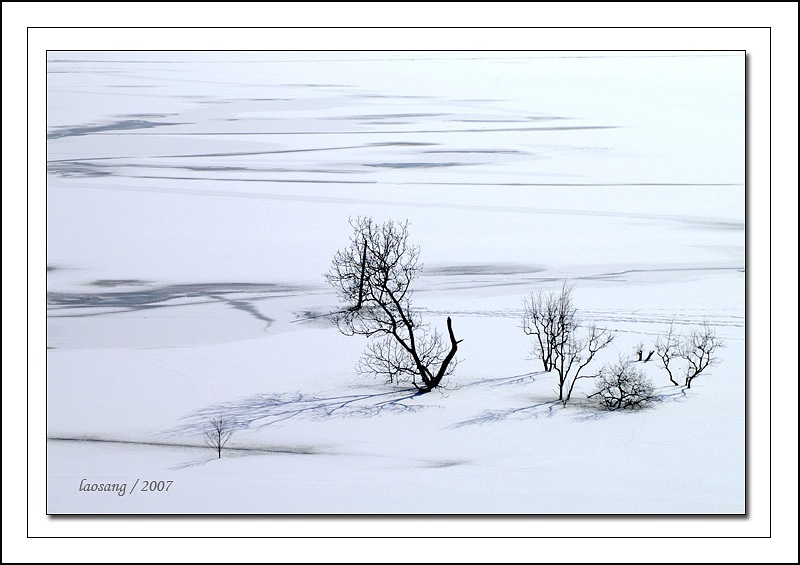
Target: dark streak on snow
509,120
93,169
384,116
382,132
444,464
415,165
123,125
278,449
111,283
234,179
146,116
481,269
156,296
246,306
247,153
479,151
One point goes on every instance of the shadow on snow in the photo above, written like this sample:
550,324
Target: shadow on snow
582,409
263,410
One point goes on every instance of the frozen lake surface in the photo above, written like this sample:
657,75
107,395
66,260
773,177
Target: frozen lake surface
195,199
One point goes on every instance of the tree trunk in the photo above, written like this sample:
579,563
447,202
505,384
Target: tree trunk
425,374
361,280
434,381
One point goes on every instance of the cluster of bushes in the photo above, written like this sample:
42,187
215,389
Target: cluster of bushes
566,345
372,278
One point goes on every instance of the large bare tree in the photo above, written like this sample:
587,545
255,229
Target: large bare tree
575,354
699,350
550,318
560,340
668,348
372,278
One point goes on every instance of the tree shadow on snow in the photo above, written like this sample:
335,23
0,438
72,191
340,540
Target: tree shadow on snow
263,410
238,451
524,378
582,409
545,408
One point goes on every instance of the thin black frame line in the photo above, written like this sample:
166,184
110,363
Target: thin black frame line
299,516
769,102
466,515
27,292
747,474
398,537
459,514
382,51
399,27
462,516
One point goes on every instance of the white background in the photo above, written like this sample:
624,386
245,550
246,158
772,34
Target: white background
782,547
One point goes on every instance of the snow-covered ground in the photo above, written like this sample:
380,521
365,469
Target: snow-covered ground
195,200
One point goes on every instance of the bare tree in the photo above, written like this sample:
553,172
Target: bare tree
699,351
552,319
697,348
372,278
623,386
575,354
218,433
639,349
668,347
